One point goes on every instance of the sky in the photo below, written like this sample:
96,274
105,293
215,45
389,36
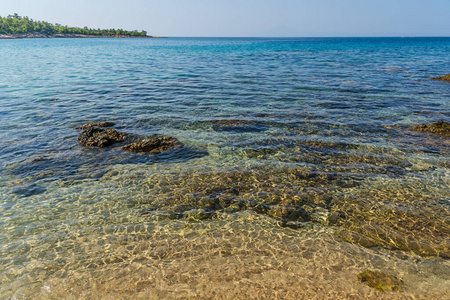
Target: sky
246,18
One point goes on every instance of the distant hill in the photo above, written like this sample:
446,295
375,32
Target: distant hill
14,26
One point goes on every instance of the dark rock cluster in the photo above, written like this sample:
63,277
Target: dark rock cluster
94,136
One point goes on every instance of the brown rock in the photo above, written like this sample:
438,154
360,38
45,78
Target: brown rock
237,126
380,281
445,77
440,127
154,144
89,125
97,137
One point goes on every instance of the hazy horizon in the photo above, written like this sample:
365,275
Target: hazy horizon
248,18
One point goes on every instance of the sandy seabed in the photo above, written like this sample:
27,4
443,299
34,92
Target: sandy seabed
245,257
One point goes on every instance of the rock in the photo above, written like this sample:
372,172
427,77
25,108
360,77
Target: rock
154,144
198,214
167,215
445,78
89,125
288,212
29,189
320,215
97,137
357,238
292,224
380,281
334,217
440,127
238,126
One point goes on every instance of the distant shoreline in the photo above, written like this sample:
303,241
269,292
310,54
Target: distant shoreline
67,35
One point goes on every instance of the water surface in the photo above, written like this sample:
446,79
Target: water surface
299,168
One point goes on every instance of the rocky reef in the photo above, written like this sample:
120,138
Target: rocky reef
330,189
444,78
153,144
440,127
380,281
287,195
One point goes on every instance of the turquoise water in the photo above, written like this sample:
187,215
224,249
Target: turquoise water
305,143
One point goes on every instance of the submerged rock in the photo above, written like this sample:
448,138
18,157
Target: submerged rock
292,224
238,126
380,281
154,144
445,77
288,212
30,189
278,194
198,214
89,125
440,127
407,225
97,137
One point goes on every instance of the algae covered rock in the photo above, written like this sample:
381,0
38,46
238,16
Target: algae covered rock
444,78
440,127
100,138
89,125
380,281
154,144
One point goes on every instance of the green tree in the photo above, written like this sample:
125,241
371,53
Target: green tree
16,24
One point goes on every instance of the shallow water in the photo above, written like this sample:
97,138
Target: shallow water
299,168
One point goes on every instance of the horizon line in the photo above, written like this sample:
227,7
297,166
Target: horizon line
303,37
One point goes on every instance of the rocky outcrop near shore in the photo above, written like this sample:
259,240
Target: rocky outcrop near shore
440,127
99,138
94,136
444,78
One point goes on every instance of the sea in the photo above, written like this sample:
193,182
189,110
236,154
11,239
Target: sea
299,168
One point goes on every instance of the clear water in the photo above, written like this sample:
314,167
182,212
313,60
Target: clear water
316,178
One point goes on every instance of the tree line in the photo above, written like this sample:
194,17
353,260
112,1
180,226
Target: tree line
13,24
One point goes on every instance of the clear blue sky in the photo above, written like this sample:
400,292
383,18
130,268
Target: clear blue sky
299,18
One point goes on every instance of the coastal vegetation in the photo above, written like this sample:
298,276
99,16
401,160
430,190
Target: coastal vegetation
15,24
